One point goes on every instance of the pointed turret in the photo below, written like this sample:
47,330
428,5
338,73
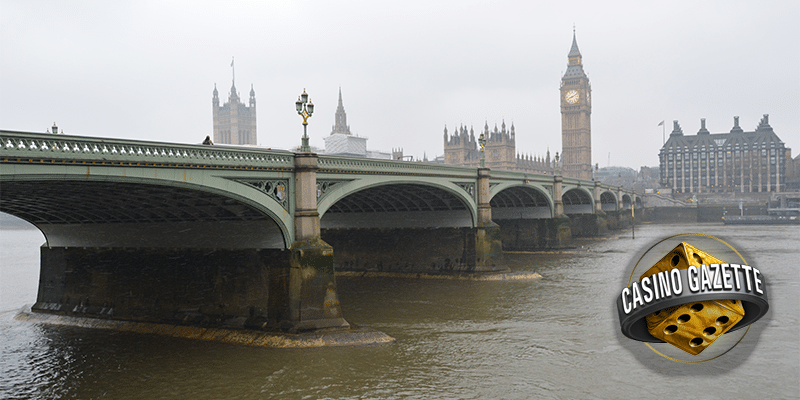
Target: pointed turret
215,97
252,96
575,63
340,125
574,51
233,96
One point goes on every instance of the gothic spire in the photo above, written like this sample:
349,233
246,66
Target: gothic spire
574,52
341,118
233,79
252,96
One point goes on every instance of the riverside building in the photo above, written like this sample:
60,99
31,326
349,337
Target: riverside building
736,161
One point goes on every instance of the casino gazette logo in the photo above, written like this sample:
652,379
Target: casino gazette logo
693,290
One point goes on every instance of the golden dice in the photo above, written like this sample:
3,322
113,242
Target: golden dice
692,326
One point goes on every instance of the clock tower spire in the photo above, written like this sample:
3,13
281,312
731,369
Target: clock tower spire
576,111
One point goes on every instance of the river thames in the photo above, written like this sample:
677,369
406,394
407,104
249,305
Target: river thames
554,337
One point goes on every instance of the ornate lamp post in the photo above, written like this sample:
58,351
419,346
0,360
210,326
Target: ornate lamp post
557,171
305,108
482,142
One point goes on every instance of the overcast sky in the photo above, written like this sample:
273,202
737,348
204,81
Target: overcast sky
146,70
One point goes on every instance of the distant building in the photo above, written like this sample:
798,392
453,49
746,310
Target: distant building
576,116
737,161
617,176
342,142
234,122
792,173
461,148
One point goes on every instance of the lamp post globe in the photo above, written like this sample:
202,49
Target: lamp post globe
305,108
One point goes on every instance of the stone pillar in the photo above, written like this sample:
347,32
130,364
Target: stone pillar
306,217
619,198
598,206
488,243
484,209
558,203
303,295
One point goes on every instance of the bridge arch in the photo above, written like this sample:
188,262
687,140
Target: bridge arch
626,201
521,202
403,203
578,200
608,201
639,202
109,210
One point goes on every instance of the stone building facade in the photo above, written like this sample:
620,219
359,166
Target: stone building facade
576,113
234,122
737,161
462,148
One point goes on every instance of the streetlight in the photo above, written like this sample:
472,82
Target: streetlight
305,108
557,171
482,142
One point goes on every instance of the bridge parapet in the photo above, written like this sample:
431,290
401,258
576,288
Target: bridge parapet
376,166
25,145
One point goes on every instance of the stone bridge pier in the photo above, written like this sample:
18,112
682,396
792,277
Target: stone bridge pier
304,290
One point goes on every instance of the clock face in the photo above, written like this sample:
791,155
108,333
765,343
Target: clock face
572,96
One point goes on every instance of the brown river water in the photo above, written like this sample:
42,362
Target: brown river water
555,337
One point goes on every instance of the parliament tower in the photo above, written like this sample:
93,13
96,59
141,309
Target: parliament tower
576,111
234,122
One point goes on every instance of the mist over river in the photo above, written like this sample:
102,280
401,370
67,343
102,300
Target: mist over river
554,337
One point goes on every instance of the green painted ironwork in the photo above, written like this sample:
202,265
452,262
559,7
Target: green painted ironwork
262,178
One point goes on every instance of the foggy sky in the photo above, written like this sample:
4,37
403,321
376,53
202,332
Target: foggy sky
146,70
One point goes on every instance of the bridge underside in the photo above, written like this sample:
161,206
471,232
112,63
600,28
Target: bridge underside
398,206
524,215
577,201
608,202
114,214
406,228
147,252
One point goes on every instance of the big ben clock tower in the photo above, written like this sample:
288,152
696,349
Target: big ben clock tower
576,112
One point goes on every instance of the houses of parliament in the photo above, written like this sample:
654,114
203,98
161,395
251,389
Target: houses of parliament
461,147
234,122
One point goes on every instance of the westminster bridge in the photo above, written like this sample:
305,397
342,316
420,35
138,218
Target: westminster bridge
245,237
